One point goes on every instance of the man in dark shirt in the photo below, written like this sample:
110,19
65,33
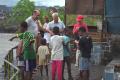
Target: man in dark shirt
85,46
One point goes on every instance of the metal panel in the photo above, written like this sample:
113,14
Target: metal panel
112,15
114,25
85,7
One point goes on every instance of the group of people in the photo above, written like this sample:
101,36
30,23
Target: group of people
40,46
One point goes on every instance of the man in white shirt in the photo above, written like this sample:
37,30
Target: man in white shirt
34,26
56,23
33,22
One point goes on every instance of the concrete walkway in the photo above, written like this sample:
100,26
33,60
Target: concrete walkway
96,72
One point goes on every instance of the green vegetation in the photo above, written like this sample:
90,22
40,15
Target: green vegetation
90,20
21,11
24,9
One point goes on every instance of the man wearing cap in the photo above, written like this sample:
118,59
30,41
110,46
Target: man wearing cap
79,24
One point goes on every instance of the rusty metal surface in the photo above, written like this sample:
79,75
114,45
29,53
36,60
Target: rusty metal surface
86,7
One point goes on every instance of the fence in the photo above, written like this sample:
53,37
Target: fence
10,70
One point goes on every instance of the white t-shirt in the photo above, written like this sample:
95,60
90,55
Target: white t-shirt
51,25
46,34
32,25
56,44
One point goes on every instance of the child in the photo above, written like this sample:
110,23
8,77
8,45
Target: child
85,46
28,50
56,44
67,54
42,53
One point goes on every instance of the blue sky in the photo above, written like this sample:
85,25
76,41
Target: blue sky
37,2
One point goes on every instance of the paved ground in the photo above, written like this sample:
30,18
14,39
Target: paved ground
96,72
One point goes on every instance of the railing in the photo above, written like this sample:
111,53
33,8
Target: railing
11,71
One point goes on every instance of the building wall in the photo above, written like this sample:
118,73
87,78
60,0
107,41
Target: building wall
86,7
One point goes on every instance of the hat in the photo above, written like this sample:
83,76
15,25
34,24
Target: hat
79,18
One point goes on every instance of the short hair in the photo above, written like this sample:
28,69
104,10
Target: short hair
24,24
56,30
55,14
53,9
43,41
35,11
82,29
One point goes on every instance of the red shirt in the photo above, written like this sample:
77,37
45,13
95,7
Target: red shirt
77,26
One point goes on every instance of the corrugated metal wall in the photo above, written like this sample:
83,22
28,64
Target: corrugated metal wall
112,15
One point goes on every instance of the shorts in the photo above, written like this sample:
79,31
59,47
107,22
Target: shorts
20,61
84,63
30,65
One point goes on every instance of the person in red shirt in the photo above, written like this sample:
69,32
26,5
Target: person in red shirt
76,27
79,24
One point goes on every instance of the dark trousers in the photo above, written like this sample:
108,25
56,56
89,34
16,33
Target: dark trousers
68,62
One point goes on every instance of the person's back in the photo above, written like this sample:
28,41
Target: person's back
66,45
56,43
57,47
85,43
42,53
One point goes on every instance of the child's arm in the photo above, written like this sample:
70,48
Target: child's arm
15,47
13,38
68,48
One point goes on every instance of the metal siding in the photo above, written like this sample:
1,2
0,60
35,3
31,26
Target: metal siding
112,14
113,8
114,25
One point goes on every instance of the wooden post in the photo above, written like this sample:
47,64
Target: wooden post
65,16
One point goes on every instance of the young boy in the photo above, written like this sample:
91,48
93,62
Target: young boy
42,53
85,46
56,44
28,50
67,54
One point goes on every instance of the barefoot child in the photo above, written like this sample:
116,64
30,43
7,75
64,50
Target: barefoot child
42,54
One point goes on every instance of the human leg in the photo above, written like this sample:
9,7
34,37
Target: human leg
63,66
85,75
69,67
53,69
77,57
59,69
41,70
46,68
84,68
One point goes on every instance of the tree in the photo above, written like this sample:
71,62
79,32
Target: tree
22,10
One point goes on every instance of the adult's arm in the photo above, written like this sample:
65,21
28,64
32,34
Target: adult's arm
48,28
39,25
